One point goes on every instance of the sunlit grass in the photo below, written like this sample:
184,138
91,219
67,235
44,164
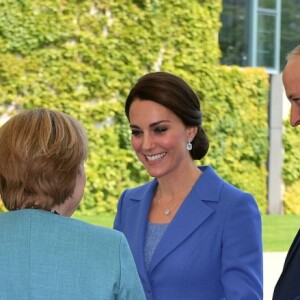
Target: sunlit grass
105,220
278,231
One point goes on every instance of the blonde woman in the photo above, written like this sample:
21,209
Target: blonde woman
44,254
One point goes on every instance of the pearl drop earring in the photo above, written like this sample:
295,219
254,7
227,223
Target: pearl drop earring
189,145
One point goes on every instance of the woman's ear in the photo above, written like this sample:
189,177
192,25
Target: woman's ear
192,131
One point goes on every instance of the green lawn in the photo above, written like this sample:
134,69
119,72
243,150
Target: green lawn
102,220
278,231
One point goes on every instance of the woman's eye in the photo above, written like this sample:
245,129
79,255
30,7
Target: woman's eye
136,132
160,130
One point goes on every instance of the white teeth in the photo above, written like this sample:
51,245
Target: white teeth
156,157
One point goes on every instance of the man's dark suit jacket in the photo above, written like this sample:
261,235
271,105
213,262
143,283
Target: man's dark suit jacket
288,285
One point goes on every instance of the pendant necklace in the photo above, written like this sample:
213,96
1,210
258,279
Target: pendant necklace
168,211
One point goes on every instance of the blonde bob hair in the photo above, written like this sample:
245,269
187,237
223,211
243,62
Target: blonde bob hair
40,154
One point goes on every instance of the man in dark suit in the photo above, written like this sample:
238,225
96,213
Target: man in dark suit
288,285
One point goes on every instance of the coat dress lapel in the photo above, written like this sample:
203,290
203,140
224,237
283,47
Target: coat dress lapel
137,222
192,213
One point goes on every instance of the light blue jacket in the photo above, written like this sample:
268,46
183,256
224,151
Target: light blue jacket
45,256
211,250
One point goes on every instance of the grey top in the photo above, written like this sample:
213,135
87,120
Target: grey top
154,233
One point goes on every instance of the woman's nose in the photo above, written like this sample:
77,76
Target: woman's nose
147,142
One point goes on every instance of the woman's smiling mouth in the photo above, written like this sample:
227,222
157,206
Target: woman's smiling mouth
156,156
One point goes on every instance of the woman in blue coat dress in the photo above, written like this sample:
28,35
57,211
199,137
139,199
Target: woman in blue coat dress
192,235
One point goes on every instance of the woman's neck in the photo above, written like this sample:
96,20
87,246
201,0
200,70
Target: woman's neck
63,209
179,185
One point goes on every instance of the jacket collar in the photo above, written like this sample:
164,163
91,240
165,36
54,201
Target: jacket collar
207,188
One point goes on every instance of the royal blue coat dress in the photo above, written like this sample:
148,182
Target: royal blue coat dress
211,250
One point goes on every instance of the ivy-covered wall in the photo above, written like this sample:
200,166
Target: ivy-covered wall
83,56
236,113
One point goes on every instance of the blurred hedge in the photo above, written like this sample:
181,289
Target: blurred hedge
291,169
82,57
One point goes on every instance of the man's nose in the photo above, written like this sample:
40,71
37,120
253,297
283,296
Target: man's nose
295,115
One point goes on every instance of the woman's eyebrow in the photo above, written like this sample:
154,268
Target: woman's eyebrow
151,125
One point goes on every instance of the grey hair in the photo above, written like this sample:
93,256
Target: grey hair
293,53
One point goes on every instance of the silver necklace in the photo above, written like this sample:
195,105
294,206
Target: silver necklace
167,211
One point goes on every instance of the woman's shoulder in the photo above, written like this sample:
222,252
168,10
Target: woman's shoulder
92,229
137,191
95,235
225,188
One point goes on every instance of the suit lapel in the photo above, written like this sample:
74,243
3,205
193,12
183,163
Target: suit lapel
295,245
